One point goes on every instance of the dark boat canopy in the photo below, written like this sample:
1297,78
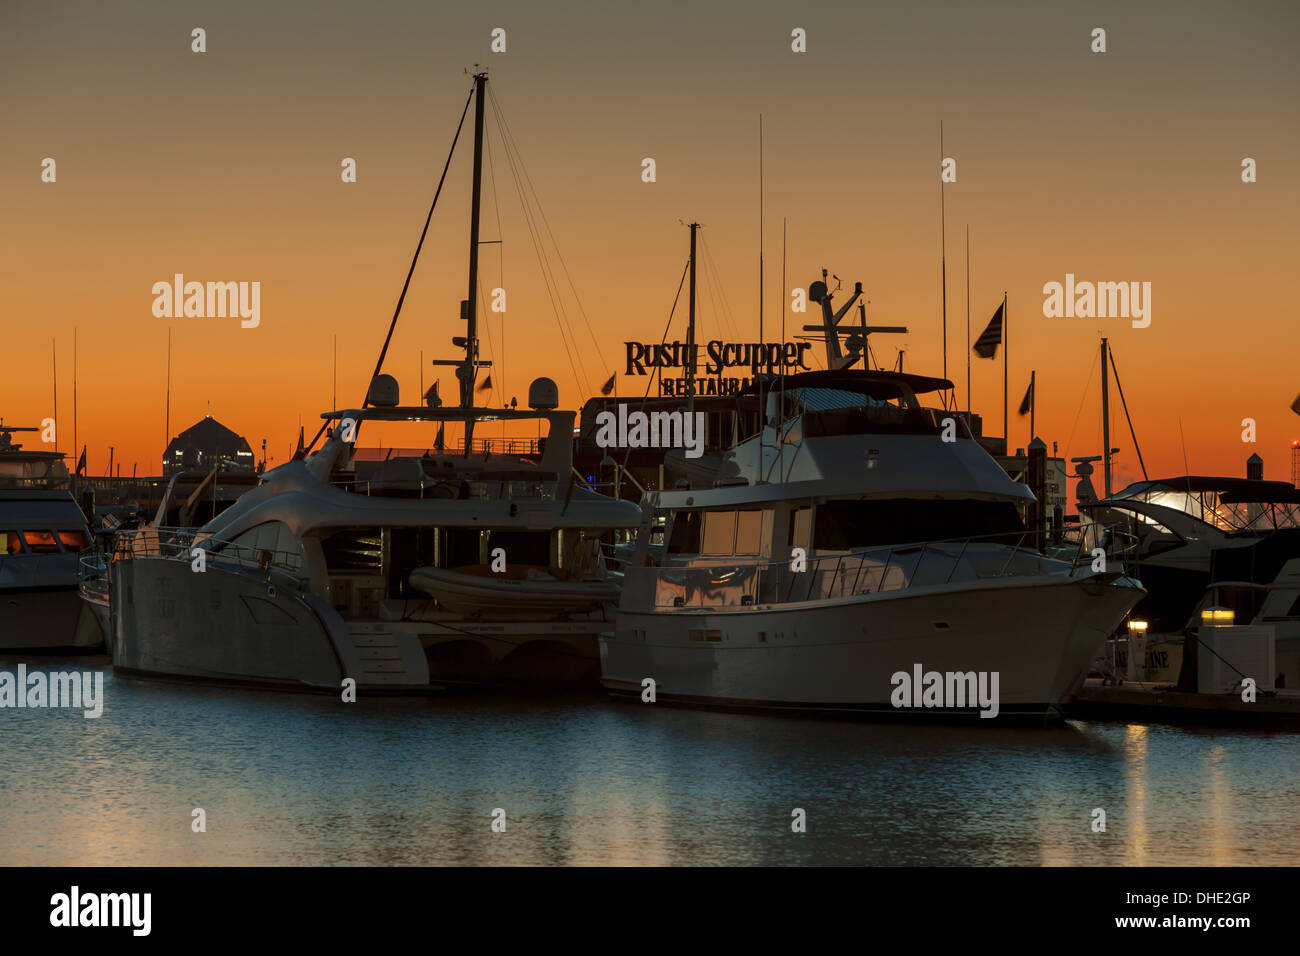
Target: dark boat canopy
1228,489
878,385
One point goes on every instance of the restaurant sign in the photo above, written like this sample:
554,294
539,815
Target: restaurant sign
776,357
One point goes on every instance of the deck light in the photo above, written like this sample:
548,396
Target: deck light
1217,617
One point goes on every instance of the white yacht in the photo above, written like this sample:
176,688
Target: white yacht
42,535
408,573
845,543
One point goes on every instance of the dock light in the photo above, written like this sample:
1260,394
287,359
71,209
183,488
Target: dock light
1135,663
1217,617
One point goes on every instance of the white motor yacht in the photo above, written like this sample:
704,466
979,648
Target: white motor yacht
856,543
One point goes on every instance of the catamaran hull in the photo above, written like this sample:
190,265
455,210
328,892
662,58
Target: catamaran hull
46,621
244,629
841,657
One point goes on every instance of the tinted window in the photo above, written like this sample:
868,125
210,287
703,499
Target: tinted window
685,534
74,540
41,542
844,525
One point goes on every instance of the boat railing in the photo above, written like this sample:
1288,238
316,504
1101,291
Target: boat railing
741,582
449,488
92,575
184,544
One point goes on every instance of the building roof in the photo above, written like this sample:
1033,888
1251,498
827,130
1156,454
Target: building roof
208,433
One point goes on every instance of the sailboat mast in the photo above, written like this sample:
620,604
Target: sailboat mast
968,338
469,370
1105,418
943,263
690,330
167,414
76,457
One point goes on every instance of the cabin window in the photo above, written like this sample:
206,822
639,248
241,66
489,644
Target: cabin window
10,543
41,542
462,547
273,536
719,532
844,525
522,547
753,532
685,536
74,540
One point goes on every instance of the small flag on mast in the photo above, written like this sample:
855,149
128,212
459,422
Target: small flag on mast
81,462
431,397
438,440
487,384
1028,401
608,386
986,346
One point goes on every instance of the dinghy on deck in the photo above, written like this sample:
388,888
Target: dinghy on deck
477,590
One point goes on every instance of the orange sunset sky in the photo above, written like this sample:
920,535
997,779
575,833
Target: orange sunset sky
225,166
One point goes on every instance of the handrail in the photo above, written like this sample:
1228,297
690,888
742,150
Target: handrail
180,543
730,581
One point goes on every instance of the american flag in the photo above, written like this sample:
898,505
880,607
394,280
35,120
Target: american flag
986,346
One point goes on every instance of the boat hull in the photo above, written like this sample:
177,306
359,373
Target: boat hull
841,656
244,628
46,620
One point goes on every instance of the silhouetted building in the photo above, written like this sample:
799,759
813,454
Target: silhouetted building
205,444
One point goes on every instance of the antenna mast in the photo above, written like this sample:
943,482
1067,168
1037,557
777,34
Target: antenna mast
690,330
943,262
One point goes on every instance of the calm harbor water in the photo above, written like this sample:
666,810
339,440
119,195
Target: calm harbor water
295,779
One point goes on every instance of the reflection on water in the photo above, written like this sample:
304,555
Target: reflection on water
289,779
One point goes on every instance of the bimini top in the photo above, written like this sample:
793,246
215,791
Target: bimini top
1231,505
1254,489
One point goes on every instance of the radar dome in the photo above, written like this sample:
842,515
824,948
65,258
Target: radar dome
383,391
543,394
